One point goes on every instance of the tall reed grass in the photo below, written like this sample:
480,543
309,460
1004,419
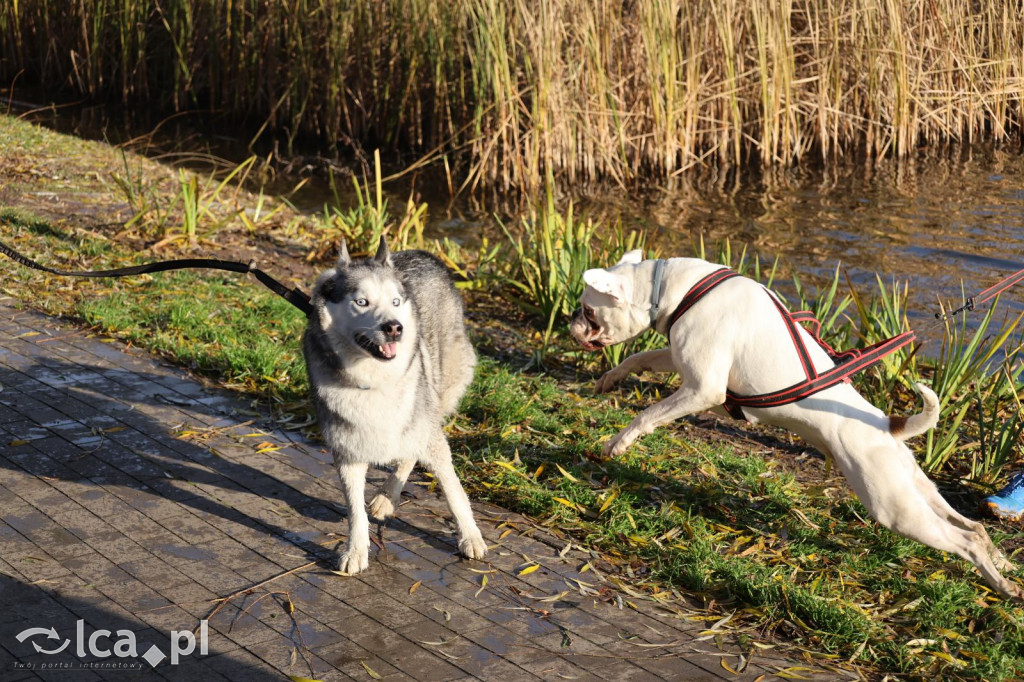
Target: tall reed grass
587,88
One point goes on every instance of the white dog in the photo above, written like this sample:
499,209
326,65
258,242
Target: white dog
735,340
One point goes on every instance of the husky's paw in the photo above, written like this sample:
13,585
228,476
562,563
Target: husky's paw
381,508
354,560
473,547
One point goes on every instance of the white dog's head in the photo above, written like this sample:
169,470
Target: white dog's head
608,313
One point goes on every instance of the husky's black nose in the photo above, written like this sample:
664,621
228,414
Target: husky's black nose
392,329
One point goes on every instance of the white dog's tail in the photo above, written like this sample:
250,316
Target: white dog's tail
903,428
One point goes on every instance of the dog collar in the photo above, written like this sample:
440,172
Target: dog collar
659,274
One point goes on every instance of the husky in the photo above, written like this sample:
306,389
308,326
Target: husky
388,360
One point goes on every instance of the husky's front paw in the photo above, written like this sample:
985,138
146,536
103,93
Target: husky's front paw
473,547
354,560
381,507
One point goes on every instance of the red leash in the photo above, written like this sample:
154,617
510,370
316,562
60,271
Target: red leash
993,291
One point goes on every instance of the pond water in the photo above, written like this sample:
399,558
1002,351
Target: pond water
947,227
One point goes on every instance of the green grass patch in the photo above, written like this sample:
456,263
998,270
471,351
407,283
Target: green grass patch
230,328
735,527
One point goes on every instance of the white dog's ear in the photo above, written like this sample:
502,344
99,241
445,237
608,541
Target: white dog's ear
605,282
344,260
631,257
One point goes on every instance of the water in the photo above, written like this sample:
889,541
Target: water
947,226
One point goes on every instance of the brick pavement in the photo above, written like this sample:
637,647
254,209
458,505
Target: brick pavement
133,499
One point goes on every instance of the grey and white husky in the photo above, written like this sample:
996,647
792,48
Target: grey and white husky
388,360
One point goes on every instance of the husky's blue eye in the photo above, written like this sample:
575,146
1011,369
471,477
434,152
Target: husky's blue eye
396,302
362,302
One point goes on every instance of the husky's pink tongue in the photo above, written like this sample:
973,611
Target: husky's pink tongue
389,350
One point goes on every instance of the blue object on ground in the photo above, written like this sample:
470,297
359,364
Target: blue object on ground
1008,502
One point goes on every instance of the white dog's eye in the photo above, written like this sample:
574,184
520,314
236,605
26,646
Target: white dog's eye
362,302
396,302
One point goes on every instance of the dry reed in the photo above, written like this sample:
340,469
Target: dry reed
587,88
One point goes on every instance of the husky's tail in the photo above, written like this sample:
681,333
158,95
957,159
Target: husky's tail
903,428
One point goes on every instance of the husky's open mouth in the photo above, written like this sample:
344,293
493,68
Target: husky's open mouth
381,351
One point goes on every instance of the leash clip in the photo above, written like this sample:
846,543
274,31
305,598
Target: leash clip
965,307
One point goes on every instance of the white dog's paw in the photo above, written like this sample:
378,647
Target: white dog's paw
608,380
473,547
354,560
617,444
1002,563
381,507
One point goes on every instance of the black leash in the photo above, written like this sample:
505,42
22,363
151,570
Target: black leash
295,296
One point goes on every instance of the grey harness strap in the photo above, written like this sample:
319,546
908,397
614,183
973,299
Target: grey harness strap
659,274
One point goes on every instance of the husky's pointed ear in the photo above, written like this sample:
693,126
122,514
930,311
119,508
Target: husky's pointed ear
632,257
605,282
344,260
383,255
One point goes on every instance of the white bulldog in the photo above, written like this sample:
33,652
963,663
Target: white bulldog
735,339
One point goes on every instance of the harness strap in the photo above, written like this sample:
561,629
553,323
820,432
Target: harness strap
859,360
699,291
794,335
295,296
847,362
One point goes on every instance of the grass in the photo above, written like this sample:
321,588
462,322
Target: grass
512,90
224,327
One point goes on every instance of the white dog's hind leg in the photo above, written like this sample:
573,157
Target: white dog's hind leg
382,507
439,462
353,484
648,361
913,517
941,507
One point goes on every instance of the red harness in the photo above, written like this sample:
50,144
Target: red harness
847,363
